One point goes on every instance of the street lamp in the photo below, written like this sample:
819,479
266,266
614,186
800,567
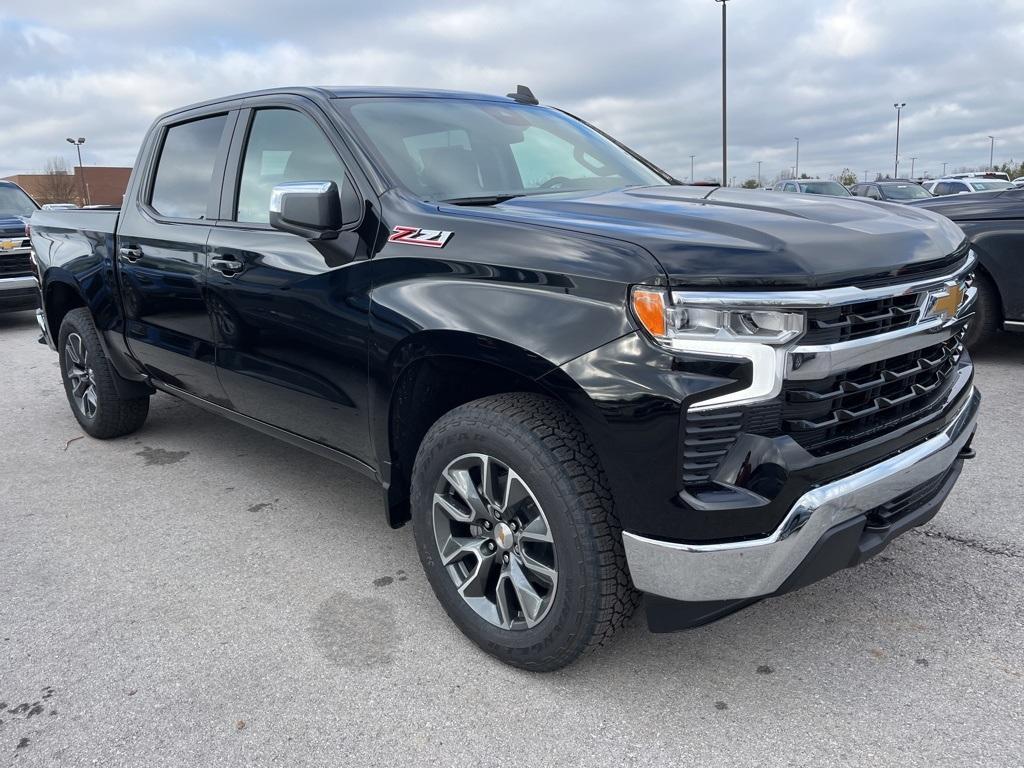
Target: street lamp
944,169
991,151
796,171
899,109
758,173
912,168
725,164
691,169
85,186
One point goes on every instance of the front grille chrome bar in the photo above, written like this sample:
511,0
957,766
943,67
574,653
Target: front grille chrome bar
774,365
829,297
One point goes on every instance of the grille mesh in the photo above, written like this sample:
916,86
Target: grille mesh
840,411
830,325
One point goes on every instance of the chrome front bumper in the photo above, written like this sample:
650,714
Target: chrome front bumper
748,569
19,283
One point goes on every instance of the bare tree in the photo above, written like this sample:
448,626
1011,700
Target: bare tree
57,184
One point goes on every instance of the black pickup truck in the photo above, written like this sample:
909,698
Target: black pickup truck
581,380
994,223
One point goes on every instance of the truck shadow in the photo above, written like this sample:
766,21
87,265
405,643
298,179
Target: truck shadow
16,321
1004,347
313,503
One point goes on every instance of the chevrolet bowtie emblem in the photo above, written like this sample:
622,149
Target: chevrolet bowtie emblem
944,302
6,245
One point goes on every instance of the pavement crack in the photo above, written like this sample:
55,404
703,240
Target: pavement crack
971,543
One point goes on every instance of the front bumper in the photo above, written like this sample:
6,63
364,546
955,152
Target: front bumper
20,292
742,571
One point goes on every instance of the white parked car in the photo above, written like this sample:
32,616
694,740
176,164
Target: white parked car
963,186
1018,182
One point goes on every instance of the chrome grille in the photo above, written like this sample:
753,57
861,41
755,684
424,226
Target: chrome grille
840,411
831,325
15,262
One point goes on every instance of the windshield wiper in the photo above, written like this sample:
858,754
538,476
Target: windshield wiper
482,199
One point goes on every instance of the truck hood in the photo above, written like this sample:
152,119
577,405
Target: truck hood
12,225
733,237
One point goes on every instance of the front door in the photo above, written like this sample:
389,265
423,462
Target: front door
290,315
162,257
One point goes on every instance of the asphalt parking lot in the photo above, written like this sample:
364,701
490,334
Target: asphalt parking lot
199,594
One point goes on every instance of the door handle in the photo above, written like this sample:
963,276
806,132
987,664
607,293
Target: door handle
130,254
227,267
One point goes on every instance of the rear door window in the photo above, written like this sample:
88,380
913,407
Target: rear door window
184,172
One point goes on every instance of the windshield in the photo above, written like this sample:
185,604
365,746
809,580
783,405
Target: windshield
987,186
452,149
905,192
824,188
14,202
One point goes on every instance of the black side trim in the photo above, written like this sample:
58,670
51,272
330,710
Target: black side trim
268,429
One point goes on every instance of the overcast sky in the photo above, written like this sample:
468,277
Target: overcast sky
649,73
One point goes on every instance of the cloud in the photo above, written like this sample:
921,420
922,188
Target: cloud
649,73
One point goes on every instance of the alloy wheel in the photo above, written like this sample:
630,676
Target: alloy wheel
495,541
80,374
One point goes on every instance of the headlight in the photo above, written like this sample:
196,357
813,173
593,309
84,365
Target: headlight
670,323
758,334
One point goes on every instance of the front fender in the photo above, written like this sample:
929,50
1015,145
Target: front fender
998,245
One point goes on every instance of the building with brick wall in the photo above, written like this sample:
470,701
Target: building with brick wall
104,184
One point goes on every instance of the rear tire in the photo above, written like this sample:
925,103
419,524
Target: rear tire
987,313
546,580
89,381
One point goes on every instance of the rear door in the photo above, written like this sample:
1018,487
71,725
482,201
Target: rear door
291,315
162,253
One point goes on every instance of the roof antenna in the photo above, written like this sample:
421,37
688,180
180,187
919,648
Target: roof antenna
523,95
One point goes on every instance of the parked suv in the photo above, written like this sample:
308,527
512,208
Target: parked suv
17,283
890,191
941,187
579,379
813,187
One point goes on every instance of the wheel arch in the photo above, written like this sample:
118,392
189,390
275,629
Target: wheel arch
436,371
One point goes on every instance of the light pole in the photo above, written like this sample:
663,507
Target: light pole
758,173
85,186
912,168
944,169
991,151
796,168
725,163
865,175
691,169
899,109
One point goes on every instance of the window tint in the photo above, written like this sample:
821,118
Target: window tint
184,172
874,194
284,145
942,188
445,149
15,202
542,156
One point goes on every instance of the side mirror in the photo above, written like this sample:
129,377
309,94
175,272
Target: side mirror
310,209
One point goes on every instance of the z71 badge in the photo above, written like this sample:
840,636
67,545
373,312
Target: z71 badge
429,238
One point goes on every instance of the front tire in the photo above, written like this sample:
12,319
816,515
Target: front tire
987,313
89,381
517,533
